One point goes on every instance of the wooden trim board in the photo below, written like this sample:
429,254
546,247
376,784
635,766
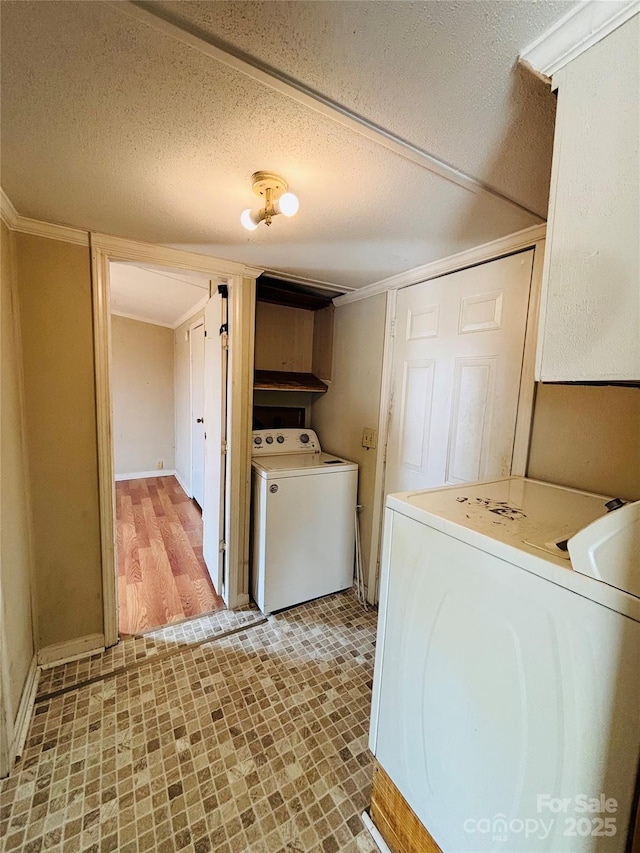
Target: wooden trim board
25,709
395,819
70,650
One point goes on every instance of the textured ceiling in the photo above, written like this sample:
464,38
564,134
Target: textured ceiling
161,298
112,126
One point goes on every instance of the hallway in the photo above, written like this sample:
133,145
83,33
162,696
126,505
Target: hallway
229,733
162,577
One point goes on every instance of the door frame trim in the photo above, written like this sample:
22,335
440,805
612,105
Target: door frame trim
193,326
526,397
241,282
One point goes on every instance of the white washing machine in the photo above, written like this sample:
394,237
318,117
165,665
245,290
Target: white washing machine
507,677
303,519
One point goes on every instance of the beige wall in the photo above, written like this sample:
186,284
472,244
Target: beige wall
353,399
54,284
182,379
142,396
587,437
15,557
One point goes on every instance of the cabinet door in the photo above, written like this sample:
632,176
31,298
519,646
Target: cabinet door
496,692
590,320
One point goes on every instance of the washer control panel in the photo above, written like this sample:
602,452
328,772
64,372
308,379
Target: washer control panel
270,442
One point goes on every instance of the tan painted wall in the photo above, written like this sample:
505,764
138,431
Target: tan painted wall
142,396
587,437
353,399
54,284
15,556
182,377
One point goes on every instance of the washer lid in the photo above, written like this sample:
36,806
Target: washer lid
519,520
299,464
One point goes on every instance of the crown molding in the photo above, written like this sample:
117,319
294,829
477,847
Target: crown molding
584,25
142,318
24,225
7,211
469,258
62,233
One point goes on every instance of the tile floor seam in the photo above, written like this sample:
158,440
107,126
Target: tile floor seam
147,661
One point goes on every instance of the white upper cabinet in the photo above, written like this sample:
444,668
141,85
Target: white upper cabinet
590,313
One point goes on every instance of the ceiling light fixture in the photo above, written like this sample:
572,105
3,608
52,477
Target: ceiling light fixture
274,190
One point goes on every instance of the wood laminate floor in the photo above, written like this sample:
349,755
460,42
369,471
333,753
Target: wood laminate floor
162,577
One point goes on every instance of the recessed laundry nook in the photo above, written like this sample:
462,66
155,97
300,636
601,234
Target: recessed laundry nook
320,408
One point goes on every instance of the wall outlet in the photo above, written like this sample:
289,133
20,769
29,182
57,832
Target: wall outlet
160,464
369,438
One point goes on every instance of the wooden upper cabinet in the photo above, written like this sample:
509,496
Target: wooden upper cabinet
590,312
293,347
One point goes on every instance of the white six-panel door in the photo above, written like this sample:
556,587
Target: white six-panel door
457,360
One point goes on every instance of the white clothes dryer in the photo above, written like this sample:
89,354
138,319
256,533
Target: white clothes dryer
303,519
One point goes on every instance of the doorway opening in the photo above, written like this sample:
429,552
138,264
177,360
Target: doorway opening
168,391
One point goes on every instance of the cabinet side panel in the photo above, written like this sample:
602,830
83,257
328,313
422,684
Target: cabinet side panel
592,295
322,357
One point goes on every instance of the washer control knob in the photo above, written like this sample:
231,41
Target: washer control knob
304,438
257,440
280,439
269,439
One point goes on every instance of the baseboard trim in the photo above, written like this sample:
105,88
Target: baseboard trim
372,829
70,650
143,475
183,485
25,709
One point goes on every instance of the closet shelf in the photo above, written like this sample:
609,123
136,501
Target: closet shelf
281,380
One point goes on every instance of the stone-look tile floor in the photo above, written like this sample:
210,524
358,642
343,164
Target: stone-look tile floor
134,648
251,742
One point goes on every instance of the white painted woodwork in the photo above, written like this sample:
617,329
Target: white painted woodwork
583,25
457,358
493,685
590,318
241,281
215,435
196,339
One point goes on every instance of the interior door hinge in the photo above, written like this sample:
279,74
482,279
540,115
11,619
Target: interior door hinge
223,546
223,446
392,330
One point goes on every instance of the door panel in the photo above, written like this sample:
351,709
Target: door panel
215,434
196,338
457,360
